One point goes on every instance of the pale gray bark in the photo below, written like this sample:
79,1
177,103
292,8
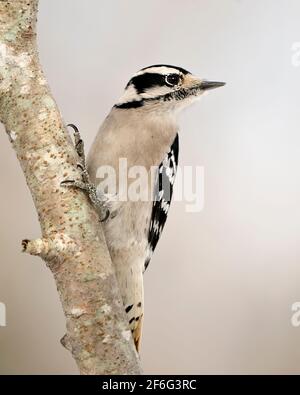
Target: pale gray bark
72,243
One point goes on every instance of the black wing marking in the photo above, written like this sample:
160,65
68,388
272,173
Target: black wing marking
162,197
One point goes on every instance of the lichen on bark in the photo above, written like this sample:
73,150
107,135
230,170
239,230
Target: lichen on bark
72,242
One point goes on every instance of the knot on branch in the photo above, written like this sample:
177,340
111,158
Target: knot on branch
65,342
51,248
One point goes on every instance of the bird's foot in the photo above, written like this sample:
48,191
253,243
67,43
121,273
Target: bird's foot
97,198
78,143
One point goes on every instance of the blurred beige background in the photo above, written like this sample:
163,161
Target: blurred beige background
220,287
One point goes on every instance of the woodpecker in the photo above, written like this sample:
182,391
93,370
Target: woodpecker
143,128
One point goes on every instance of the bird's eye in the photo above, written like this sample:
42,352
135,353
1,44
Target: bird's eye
172,79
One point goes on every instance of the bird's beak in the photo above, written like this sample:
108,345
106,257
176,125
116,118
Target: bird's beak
208,85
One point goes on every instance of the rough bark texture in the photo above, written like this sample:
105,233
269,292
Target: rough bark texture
72,242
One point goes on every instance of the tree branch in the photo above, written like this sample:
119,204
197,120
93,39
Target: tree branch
72,242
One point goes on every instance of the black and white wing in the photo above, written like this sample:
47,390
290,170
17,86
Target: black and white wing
162,197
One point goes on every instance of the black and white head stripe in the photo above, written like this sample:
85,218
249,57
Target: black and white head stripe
165,68
151,83
152,76
162,197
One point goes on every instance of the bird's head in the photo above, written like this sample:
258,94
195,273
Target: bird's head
164,88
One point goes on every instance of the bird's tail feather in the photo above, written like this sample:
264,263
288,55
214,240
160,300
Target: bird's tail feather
130,282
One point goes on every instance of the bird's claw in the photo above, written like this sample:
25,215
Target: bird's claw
67,183
107,215
91,192
85,184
